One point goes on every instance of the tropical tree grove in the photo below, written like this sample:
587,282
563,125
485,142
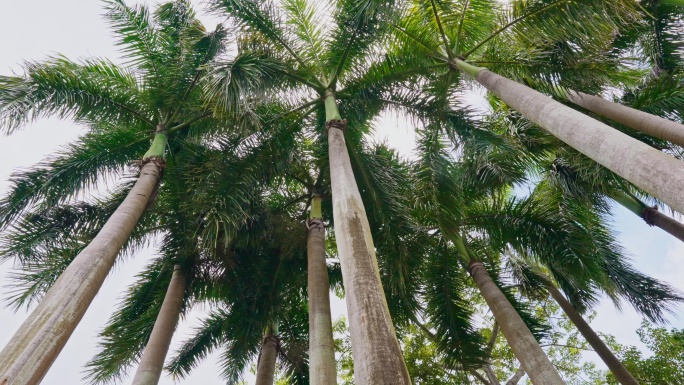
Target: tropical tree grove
250,158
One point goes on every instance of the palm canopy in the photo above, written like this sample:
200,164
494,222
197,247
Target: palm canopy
161,88
205,198
462,192
546,44
265,284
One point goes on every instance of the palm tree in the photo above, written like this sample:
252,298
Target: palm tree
437,31
267,357
649,297
152,360
322,369
162,91
265,286
444,204
324,62
47,240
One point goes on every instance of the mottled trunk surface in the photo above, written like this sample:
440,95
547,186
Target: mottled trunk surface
267,361
651,170
522,342
651,215
152,361
619,371
638,120
377,357
34,347
322,370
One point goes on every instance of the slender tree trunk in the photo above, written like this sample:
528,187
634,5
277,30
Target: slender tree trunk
267,358
522,342
377,356
650,215
322,370
649,169
517,376
481,378
619,371
491,376
35,346
638,120
152,361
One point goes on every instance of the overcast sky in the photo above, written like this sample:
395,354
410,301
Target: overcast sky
34,29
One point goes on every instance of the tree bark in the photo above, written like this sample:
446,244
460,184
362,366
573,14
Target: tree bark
267,359
322,370
619,371
377,356
522,342
152,361
651,215
630,117
34,347
649,169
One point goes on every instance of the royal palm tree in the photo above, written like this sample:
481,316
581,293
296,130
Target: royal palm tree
542,44
265,288
319,53
648,296
160,90
48,239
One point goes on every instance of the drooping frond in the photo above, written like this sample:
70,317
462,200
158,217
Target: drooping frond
136,35
77,168
45,240
383,181
90,92
448,311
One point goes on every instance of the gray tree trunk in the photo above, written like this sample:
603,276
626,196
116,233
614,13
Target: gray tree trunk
522,342
267,360
516,377
35,346
375,349
322,370
638,120
619,371
647,168
152,361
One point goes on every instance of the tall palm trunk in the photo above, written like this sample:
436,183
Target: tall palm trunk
267,358
322,370
650,215
522,342
619,371
35,346
375,349
630,117
152,361
649,169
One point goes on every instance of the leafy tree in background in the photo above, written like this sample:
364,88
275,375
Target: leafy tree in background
666,364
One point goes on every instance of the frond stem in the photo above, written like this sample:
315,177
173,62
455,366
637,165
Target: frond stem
445,40
510,24
460,26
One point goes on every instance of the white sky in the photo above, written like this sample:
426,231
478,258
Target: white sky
34,29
